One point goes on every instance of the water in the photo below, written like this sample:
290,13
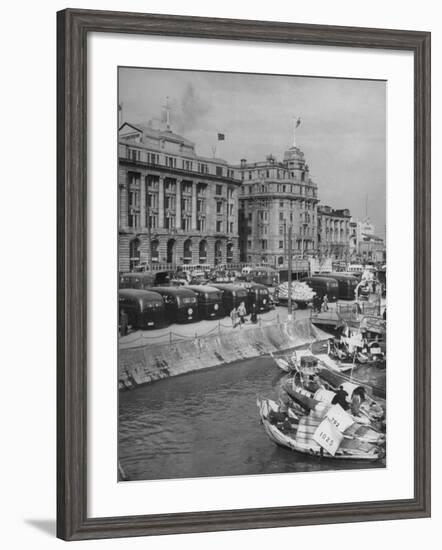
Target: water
206,424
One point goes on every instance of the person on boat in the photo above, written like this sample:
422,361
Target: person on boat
313,383
242,312
356,402
234,317
340,398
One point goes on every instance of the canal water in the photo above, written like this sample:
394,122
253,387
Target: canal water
206,423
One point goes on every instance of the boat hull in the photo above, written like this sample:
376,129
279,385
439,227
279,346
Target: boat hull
311,448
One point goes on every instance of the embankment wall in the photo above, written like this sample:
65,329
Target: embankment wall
147,363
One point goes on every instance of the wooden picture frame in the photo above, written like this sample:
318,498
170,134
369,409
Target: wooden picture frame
73,27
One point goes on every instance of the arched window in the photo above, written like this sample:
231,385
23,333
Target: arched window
134,253
154,246
187,255
203,252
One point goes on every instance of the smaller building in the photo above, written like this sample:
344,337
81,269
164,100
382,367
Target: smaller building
334,233
372,249
365,245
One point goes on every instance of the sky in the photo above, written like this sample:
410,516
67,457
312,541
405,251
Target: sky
342,131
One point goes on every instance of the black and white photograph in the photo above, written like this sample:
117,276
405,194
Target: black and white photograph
252,306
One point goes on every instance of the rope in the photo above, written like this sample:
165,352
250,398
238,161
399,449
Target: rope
176,335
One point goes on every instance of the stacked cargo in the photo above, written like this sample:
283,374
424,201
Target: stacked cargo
301,292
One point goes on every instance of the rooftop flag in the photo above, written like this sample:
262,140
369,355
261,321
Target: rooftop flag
298,122
221,137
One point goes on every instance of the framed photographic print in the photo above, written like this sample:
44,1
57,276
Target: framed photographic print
239,203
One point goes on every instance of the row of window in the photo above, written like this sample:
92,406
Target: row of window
299,244
170,203
272,173
278,188
263,216
171,251
139,155
170,185
170,222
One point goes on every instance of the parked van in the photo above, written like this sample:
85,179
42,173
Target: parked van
180,303
264,275
323,285
233,295
144,309
258,295
346,283
210,301
146,279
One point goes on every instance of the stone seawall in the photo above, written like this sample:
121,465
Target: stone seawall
147,363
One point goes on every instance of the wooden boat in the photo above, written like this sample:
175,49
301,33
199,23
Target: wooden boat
296,433
286,363
301,391
283,362
326,368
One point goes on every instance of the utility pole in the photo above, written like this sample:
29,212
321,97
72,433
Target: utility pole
285,241
289,274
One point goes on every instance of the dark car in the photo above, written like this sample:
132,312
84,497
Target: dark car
258,295
346,285
210,301
232,296
180,303
323,285
144,309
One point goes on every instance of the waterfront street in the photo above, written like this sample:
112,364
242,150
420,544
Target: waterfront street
175,332
181,331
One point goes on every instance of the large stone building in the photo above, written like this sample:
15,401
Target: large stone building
185,205
334,233
274,196
176,207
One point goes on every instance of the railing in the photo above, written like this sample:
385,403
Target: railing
140,338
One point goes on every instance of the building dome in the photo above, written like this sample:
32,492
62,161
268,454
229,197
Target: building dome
294,153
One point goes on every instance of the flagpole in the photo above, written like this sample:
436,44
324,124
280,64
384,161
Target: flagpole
220,137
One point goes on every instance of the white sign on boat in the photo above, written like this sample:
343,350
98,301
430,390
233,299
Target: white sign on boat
339,418
328,436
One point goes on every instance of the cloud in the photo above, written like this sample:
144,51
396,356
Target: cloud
192,109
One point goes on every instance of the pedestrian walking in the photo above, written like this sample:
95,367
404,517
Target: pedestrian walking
242,312
234,317
325,302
